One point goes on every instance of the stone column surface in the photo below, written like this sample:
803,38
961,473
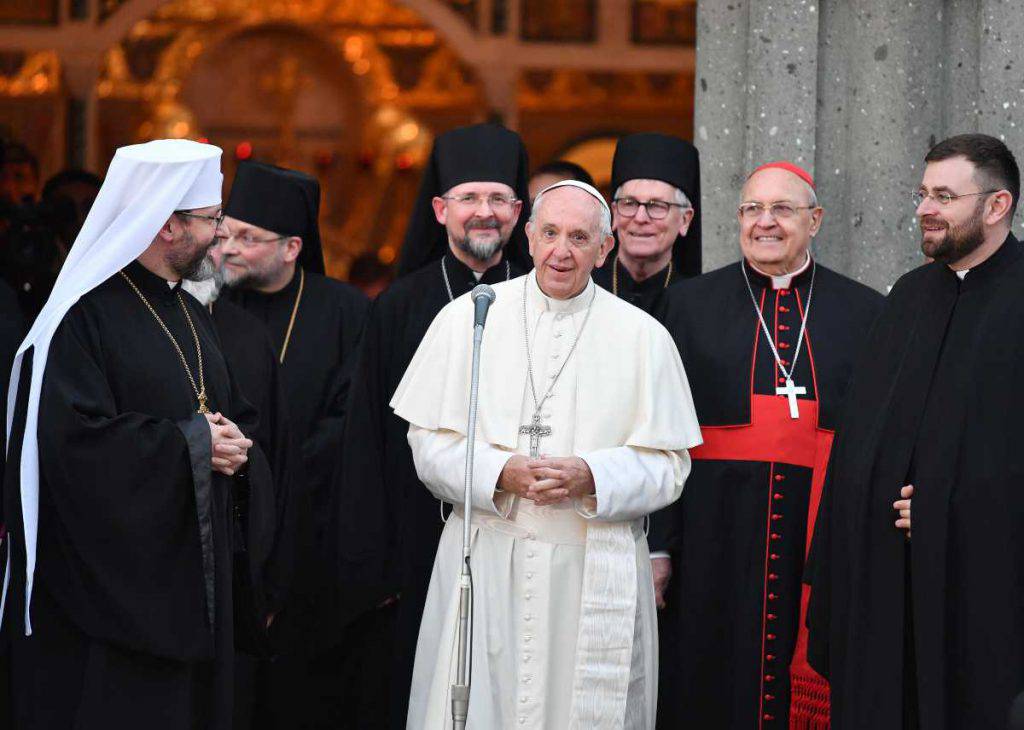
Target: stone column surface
856,92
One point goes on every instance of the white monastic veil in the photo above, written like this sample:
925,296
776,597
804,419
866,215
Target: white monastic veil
145,184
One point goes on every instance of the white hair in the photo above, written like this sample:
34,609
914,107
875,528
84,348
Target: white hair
680,197
604,216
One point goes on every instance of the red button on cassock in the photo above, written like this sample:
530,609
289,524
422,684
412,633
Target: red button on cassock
769,678
769,657
774,556
773,576
772,617
769,697
770,637
784,345
783,309
777,496
779,477
776,517
776,536
772,596
769,717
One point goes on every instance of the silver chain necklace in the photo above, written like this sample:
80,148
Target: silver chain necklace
448,284
535,430
791,391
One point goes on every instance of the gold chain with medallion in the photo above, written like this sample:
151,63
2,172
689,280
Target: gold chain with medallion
200,390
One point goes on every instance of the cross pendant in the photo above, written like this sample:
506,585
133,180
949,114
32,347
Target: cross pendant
202,404
535,431
791,391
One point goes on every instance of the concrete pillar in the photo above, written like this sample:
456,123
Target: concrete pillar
882,108
755,93
1000,84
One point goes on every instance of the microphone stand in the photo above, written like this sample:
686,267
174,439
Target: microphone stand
482,296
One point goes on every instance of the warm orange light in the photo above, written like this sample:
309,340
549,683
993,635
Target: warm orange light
360,67
179,129
244,150
386,255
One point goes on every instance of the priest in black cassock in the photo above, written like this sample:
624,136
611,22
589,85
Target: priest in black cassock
274,268
656,218
466,228
928,631
127,446
254,365
768,344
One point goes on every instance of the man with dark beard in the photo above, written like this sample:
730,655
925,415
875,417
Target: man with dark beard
928,631
466,228
274,268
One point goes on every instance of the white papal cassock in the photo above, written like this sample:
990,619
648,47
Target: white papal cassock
565,632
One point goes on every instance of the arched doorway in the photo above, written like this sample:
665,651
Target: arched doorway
352,93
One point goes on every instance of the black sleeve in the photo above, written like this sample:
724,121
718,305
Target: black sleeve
363,509
118,508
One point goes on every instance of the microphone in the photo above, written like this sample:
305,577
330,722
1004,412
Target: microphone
483,297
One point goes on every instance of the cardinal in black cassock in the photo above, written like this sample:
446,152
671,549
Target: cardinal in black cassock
389,522
275,271
126,578
657,245
737,537
928,632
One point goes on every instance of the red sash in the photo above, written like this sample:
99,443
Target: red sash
773,436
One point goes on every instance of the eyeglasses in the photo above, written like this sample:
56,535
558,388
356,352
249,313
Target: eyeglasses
248,240
778,211
497,202
656,209
217,219
942,197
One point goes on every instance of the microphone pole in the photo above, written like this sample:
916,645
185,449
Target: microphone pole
483,296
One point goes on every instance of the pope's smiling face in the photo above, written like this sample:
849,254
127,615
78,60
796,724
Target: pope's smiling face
773,243
566,241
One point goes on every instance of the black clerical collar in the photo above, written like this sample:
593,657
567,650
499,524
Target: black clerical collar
655,282
1001,258
764,281
462,277
150,284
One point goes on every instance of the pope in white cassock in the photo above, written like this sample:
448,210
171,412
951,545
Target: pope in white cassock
584,421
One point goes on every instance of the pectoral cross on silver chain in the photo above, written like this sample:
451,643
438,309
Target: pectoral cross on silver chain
790,390
536,432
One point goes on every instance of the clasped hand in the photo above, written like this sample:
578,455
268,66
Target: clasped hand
230,446
547,480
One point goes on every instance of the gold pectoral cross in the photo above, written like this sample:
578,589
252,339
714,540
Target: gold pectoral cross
202,404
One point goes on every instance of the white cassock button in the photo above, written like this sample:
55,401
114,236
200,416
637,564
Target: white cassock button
529,576
528,617
524,700
558,334
526,639
554,355
530,554
522,720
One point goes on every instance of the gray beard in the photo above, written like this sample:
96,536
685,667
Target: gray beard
479,251
205,290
